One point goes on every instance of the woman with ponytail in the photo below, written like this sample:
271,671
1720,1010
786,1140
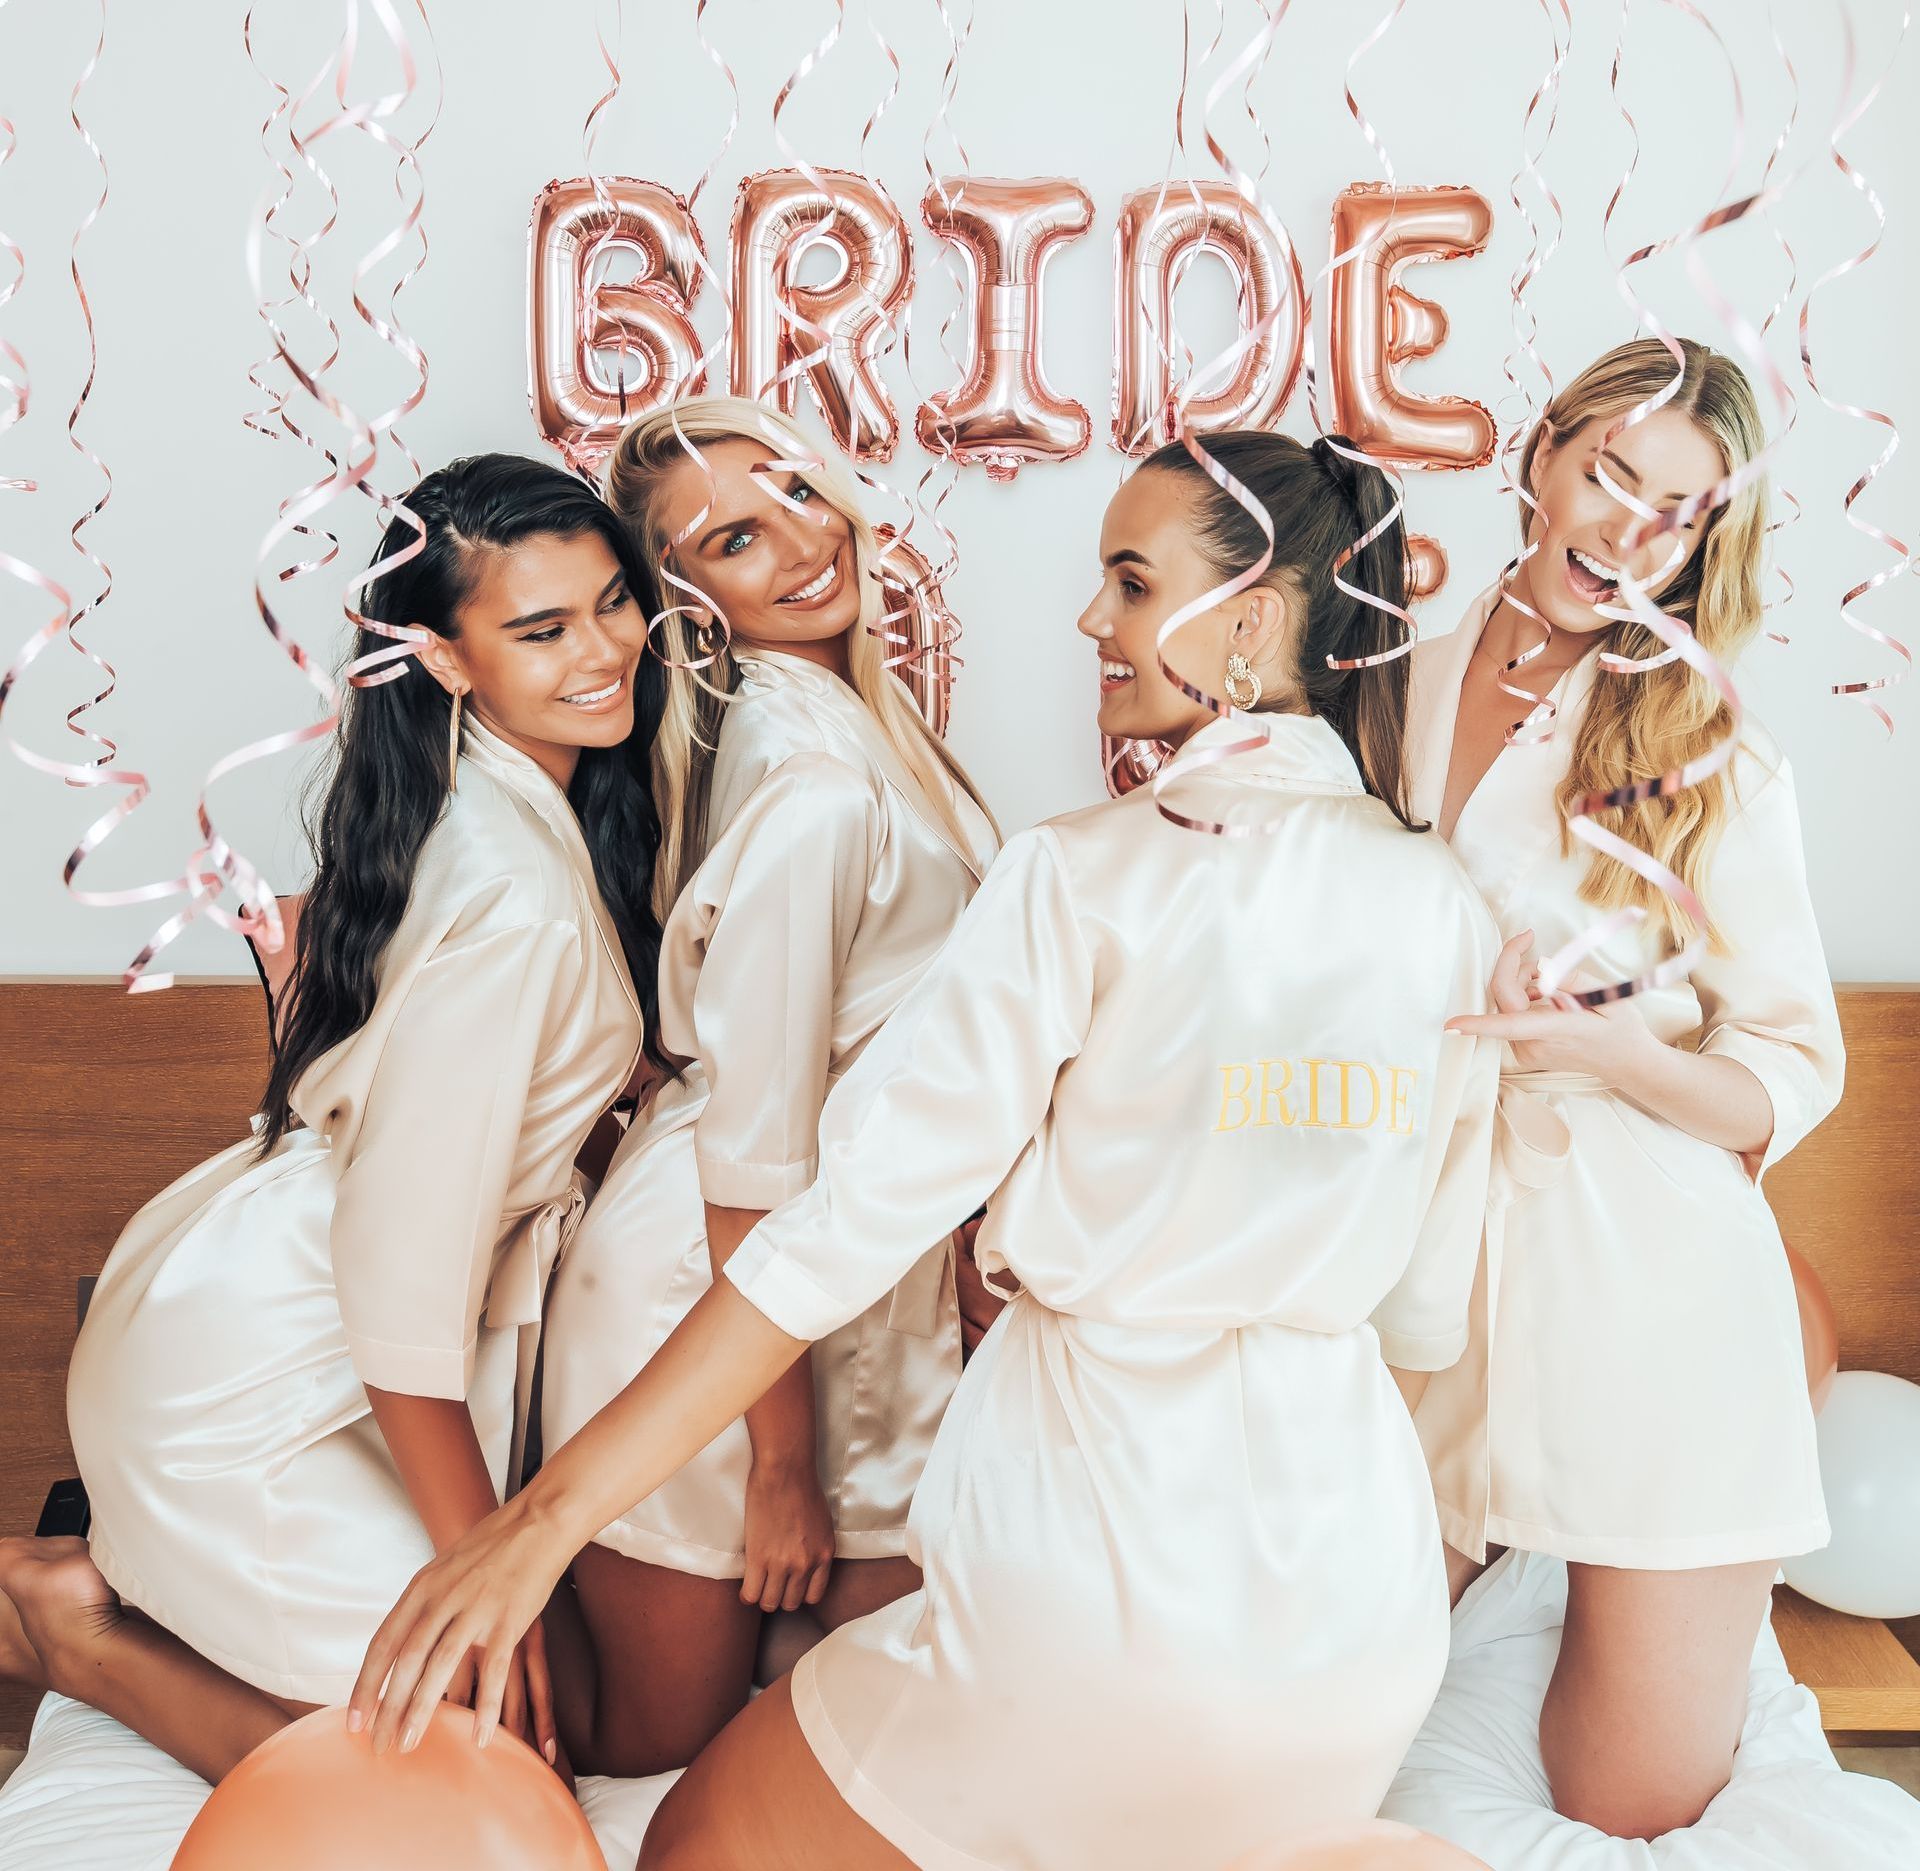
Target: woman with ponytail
306,1366
1649,1421
819,846
1184,1592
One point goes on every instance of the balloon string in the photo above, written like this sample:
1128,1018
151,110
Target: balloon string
1864,690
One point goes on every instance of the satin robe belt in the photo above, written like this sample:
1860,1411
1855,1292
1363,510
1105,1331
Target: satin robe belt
1531,1145
915,1308
517,1292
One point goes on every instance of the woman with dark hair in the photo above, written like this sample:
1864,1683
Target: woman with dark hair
306,1366
1183,1579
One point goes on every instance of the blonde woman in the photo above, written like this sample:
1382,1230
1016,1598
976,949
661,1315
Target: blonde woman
1647,1413
818,845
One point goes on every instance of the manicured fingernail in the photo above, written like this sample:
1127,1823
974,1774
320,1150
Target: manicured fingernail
551,1752
355,1721
409,1740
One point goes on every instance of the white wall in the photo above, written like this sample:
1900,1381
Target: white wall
1077,87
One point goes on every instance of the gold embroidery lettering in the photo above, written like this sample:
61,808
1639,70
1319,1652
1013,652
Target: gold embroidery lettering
1348,1067
1231,1094
1399,1099
1275,1095
1314,1121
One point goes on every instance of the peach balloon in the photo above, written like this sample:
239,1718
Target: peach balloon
830,334
315,1798
275,968
1374,324
1372,1845
1819,1330
1160,233
572,320
1003,413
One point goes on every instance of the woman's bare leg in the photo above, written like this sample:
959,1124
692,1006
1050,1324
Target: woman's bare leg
1647,1701
757,1800
90,1647
858,1586
660,1663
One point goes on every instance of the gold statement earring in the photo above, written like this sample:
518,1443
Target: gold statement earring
453,744
1243,686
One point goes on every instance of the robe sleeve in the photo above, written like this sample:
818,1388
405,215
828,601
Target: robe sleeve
1768,1000
758,944
420,1205
940,1106
1423,1321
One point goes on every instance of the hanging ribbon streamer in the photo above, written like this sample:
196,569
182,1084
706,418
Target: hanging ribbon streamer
1791,516
1537,723
1651,524
1865,690
1351,256
218,865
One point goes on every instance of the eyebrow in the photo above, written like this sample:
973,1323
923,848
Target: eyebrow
1607,455
1127,556
560,610
794,478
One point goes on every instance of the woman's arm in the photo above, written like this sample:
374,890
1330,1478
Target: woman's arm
789,1527
491,1588
433,1445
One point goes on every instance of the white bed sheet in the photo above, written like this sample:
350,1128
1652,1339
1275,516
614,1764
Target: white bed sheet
1474,1775
92,1796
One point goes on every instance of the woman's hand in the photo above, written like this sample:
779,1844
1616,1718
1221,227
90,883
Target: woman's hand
789,1536
1556,1033
527,1707
483,1596
980,1305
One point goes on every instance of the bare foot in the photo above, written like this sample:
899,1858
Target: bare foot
61,1607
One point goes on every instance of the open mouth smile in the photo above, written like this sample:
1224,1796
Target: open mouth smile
1591,578
597,698
820,586
1114,674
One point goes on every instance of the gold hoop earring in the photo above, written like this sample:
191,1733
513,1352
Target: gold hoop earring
1243,686
453,744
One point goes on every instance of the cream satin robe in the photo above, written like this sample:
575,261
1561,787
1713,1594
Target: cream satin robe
1184,1590
828,886
1640,1399
242,1494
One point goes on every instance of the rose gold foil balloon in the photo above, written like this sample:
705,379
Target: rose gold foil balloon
1159,232
315,1798
829,334
1371,1845
276,968
915,609
572,320
1819,1330
1426,567
1003,414
1374,325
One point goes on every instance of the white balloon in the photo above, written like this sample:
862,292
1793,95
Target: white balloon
1869,1431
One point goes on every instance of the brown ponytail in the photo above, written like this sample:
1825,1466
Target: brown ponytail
1319,503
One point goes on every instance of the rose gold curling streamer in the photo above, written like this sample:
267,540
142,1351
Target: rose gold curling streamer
1652,523
15,393
1862,691
1537,723
218,864
1791,516
1199,384
1351,256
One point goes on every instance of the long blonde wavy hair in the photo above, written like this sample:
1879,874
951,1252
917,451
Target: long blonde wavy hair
636,472
1639,725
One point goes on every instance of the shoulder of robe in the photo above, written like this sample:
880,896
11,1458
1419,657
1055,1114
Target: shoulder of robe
767,721
831,791
492,863
1760,761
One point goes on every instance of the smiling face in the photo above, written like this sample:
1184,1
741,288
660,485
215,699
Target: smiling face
1663,461
549,639
1151,567
785,579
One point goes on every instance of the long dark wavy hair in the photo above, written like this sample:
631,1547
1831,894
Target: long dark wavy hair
389,783
1319,503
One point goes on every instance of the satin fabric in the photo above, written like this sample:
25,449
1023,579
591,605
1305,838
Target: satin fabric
242,1494
828,886
1636,1394
1183,1579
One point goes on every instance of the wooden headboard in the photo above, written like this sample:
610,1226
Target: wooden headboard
110,1097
